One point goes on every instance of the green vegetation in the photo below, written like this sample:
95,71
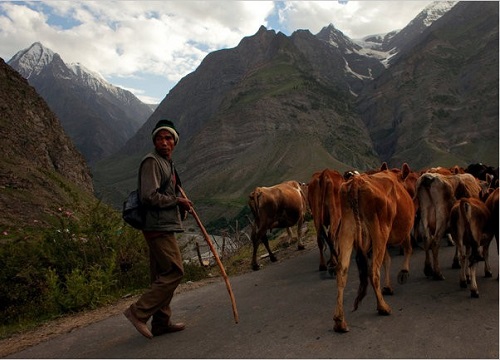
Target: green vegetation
89,259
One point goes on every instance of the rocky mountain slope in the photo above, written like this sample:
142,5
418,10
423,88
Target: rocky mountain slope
99,117
438,103
41,172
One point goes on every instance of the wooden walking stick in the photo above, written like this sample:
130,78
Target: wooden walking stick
216,256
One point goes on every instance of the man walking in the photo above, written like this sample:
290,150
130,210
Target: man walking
164,210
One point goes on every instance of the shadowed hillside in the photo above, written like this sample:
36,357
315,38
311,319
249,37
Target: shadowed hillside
41,171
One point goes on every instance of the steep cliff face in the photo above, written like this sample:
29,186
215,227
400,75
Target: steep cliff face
41,170
438,104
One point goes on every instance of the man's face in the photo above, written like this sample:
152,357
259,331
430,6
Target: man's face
164,143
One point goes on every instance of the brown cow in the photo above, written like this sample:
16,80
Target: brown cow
436,194
324,203
377,211
279,206
469,220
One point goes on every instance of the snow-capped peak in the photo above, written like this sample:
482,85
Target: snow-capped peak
32,60
435,10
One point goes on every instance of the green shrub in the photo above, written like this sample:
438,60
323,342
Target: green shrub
87,260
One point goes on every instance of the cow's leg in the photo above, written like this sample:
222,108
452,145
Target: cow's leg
456,260
474,291
257,238
442,214
467,263
265,241
321,240
404,273
290,235
449,239
331,240
255,243
486,255
428,240
437,275
345,249
428,263
387,289
300,245
463,264
426,226
379,246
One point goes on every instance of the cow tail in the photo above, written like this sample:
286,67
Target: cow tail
361,254
321,215
305,202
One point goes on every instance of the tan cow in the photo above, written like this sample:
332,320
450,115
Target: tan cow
469,223
377,211
279,206
436,194
324,203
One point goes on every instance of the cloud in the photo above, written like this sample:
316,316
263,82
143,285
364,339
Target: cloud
355,19
166,40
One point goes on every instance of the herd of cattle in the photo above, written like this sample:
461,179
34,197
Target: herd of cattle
386,207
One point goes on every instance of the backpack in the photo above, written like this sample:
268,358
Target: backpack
133,212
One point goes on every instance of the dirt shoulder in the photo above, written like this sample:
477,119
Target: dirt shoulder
51,329
68,323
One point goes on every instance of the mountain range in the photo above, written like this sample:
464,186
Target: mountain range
98,116
280,107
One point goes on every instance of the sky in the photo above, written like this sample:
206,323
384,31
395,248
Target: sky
147,47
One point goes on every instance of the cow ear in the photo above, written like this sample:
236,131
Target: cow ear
489,179
384,166
405,169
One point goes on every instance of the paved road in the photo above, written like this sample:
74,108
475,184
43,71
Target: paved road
286,309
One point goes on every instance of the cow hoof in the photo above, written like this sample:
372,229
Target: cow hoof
428,271
273,258
456,264
301,247
438,276
384,312
255,267
323,268
488,274
331,271
474,294
403,276
463,284
341,327
387,291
